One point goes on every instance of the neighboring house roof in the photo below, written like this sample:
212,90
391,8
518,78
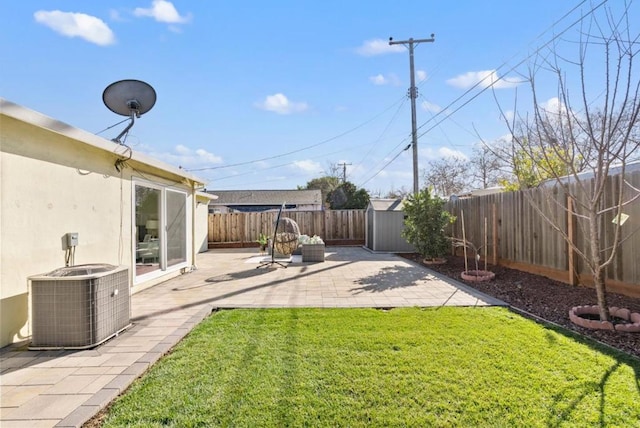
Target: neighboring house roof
386,204
266,197
15,111
478,192
588,174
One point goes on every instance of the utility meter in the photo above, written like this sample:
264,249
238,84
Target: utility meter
72,239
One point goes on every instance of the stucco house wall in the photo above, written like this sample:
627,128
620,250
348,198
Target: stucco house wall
57,179
202,220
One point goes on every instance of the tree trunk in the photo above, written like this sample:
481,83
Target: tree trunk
598,279
596,267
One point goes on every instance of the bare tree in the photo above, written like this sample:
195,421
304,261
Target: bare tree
486,167
400,193
333,170
579,141
447,176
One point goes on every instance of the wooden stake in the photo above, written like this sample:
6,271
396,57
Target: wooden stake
571,240
464,242
486,242
495,234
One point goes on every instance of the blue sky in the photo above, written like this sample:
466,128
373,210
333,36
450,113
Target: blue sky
266,95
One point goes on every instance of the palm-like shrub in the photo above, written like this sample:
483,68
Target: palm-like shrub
424,224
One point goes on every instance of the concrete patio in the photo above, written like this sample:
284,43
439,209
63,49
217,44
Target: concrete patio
65,388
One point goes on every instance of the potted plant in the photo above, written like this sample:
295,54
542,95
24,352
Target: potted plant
312,248
424,225
262,240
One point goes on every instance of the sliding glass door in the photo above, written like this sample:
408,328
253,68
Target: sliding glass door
161,221
176,227
147,227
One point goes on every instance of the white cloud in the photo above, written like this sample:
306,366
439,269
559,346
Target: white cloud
162,11
280,104
421,75
446,152
73,24
114,15
431,107
378,79
428,153
556,111
484,79
509,115
308,166
378,47
554,106
389,79
186,157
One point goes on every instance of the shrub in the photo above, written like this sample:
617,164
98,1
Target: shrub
425,222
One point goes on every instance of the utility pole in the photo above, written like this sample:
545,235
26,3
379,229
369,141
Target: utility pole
344,171
413,94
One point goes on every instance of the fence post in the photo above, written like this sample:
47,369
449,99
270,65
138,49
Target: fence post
494,242
242,231
324,224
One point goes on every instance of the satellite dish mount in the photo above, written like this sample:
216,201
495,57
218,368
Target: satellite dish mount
131,98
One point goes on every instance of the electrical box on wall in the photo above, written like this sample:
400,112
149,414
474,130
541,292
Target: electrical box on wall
72,239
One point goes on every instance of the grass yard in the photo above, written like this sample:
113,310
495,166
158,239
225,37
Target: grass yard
367,367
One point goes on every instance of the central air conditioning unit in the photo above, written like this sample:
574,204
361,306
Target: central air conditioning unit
79,307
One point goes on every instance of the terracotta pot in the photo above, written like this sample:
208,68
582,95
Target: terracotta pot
632,325
477,275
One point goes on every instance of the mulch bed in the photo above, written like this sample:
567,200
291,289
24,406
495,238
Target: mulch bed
545,298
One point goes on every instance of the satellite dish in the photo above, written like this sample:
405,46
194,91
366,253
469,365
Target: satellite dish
127,96
131,98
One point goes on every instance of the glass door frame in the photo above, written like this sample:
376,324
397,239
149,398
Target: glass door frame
162,231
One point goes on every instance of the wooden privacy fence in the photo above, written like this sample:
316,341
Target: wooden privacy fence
519,237
243,229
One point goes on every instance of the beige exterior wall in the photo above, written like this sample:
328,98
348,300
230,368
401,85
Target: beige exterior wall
202,222
53,183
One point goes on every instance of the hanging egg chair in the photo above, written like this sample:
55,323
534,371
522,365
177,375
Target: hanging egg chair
286,236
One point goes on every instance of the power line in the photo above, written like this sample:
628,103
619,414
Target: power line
491,84
434,117
404,140
384,131
449,114
286,164
386,165
303,148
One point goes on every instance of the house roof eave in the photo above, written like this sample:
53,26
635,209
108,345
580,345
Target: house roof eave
32,117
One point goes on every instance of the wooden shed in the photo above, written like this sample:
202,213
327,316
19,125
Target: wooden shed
384,223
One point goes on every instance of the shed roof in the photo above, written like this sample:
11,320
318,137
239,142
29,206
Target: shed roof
267,197
386,204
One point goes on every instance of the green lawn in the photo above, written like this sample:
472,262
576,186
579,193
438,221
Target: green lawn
366,367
